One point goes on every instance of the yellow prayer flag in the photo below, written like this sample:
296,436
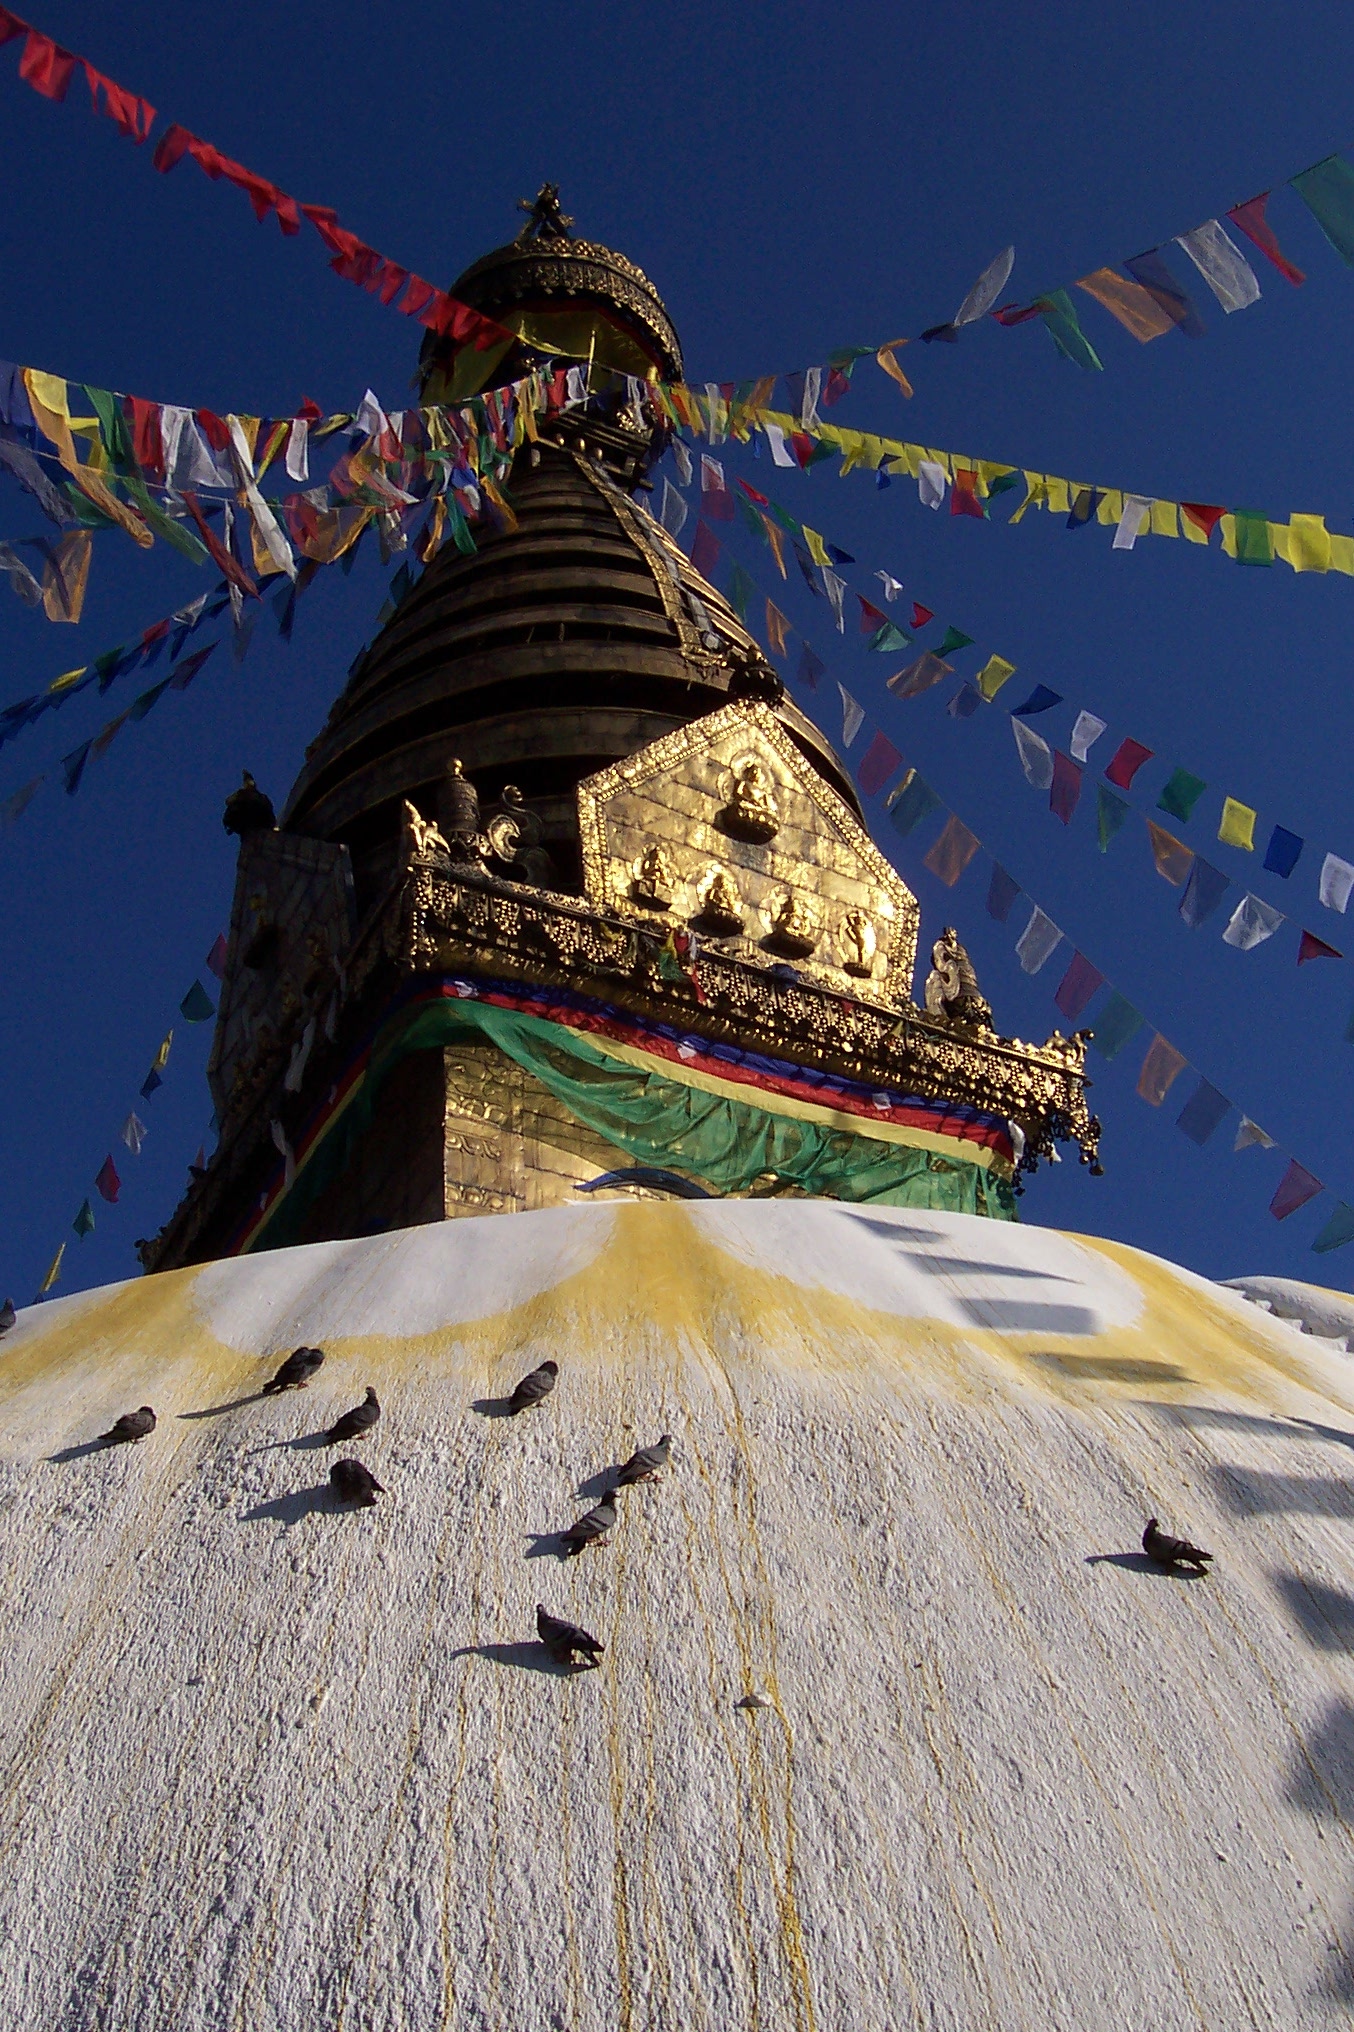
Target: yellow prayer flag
51,409
65,579
775,536
911,455
1173,858
853,452
993,676
945,460
988,471
1238,825
1228,528
67,679
162,1055
1135,307
1308,543
1193,533
888,360
817,548
1036,494
1163,519
1342,554
53,1272
1278,537
776,625
1055,493
1110,508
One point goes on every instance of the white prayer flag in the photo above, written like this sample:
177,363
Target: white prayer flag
1222,264
1337,879
371,418
836,591
931,483
1085,733
987,288
781,455
1036,757
1037,942
718,419
853,716
1137,510
808,413
674,510
892,586
712,476
133,1134
298,450
682,457
1251,1134
1251,923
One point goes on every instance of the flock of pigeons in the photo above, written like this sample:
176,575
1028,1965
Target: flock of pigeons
353,1482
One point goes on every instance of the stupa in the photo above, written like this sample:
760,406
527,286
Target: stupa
892,1722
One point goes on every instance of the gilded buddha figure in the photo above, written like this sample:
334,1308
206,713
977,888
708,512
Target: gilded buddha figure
794,928
655,877
858,943
751,813
721,905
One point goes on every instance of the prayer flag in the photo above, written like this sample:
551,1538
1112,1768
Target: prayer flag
1202,517
46,66
1077,986
780,451
838,555
1237,825
919,676
1249,1134
931,482
1065,788
161,1059
1116,1025
1338,1230
73,766
1127,760
150,1083
1254,539
853,715
1173,858
892,588
1151,271
1181,794
1137,513
1162,1065
1295,1188
1135,307
1040,700
1308,543
955,638
964,704
1250,219
920,615
14,807
674,510
987,288
872,618
1084,505
1060,320
1251,923
53,1272
742,587
1328,193
1310,947
912,801
1281,855
108,1183
1036,757
216,958
890,638
197,1005
994,675
888,360
952,852
1222,264
1086,731
1202,1113
964,495
835,589
811,668
877,764
1204,891
1037,942
716,500
1002,892
776,627
83,1223
1337,879
704,550
133,1134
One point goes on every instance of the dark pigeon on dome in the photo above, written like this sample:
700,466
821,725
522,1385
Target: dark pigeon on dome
354,1483
591,1528
360,1419
563,1639
1173,1552
647,1462
296,1371
7,1316
248,810
533,1388
132,1425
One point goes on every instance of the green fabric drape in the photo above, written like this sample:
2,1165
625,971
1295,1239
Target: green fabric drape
725,1143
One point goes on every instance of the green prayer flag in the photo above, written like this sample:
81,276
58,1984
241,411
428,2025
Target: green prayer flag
1116,1025
749,511
1110,813
955,638
1338,1230
822,450
83,1223
197,1004
1002,483
1181,794
914,801
890,636
1254,541
1060,315
742,588
1327,190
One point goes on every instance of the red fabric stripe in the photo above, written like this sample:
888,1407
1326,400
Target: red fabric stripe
1251,220
46,66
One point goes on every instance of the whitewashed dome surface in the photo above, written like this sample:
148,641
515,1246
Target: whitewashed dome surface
271,1765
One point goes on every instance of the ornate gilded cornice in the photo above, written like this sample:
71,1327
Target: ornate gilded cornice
528,271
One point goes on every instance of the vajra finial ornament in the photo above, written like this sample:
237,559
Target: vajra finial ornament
545,220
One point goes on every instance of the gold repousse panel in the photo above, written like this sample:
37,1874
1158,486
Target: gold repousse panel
818,878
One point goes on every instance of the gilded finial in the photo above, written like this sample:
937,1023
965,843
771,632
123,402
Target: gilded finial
545,220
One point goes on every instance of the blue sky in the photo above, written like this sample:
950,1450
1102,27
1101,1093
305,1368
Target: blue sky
793,180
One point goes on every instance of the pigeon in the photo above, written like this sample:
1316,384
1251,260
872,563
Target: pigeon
532,1388
357,1421
7,1315
594,1525
562,1639
296,1371
355,1484
644,1465
1172,1552
132,1425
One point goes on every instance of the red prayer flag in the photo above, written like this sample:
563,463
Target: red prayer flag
1065,788
801,446
877,764
217,551
419,295
1295,1188
135,117
1201,516
171,148
147,444
216,958
1128,759
964,495
1311,947
871,618
10,25
46,66
752,494
705,550
1077,986
921,615
108,1182
1251,219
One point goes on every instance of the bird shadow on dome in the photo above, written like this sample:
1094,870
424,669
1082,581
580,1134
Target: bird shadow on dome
493,1407
1334,1433
218,1410
1324,1614
303,1442
80,1452
293,1506
542,1543
1138,1562
1257,1492
1110,1368
526,1657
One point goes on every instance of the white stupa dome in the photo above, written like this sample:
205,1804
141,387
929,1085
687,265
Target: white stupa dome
271,1764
